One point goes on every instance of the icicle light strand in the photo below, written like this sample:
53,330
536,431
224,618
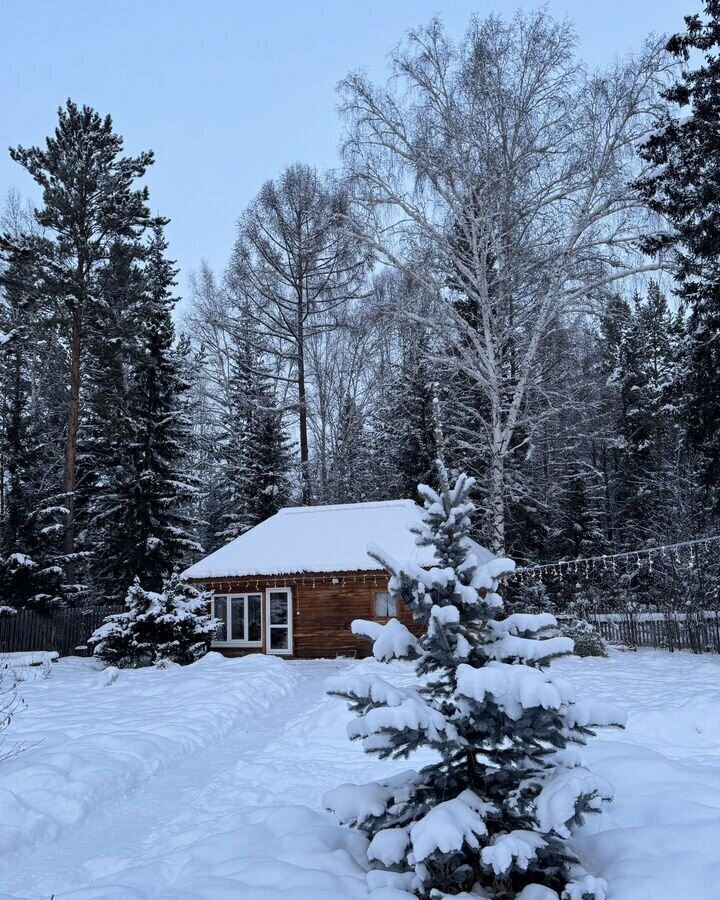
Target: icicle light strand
589,563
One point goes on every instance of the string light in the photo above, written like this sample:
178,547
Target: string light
585,565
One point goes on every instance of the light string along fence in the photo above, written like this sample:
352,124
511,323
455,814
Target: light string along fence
669,625
681,553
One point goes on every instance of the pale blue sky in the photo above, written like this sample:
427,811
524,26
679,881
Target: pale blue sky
228,92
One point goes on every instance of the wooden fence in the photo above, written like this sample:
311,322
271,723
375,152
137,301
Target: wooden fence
65,629
698,630
61,629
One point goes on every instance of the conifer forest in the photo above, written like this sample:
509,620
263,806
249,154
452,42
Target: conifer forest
360,450
513,267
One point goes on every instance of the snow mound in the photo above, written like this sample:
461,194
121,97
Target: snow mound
108,742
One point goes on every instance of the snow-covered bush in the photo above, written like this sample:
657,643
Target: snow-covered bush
492,815
587,639
173,625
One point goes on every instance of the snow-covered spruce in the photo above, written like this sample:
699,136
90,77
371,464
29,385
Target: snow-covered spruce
173,625
492,815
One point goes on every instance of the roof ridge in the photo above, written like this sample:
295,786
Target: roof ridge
365,504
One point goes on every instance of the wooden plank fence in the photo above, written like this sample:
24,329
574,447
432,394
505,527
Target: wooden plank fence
61,629
698,630
65,629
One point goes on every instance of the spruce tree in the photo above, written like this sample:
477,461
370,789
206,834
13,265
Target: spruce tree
407,419
684,186
173,625
493,813
28,570
349,479
140,512
256,450
111,348
15,393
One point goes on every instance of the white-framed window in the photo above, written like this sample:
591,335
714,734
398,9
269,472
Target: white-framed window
240,617
385,605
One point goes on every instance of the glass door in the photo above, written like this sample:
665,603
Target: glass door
279,621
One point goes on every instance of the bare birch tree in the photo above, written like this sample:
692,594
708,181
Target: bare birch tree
508,164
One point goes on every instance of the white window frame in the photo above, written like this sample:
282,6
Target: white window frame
268,626
228,642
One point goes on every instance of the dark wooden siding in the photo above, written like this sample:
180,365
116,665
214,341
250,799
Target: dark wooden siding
322,611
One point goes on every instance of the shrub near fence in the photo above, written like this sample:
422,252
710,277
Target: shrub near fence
696,630
61,629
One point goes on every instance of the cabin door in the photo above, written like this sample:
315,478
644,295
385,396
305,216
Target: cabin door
279,637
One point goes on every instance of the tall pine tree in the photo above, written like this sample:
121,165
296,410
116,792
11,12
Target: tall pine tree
89,203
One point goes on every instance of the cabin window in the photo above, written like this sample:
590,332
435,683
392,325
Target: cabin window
385,605
240,617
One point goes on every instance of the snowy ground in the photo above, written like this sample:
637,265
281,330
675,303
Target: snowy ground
204,783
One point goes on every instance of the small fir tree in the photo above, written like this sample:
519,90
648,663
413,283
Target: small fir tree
173,625
493,813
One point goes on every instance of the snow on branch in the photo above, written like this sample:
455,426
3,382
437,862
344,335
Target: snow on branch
355,804
514,688
449,825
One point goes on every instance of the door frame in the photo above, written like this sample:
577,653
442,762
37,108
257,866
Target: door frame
268,626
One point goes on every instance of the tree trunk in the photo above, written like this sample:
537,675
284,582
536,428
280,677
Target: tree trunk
69,481
497,504
302,409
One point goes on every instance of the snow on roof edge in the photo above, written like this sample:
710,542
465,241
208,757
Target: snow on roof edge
336,507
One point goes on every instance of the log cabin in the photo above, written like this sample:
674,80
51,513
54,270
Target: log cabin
292,585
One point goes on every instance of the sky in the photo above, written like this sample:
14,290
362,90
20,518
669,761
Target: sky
229,92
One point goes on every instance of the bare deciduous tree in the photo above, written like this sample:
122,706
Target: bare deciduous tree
294,263
506,163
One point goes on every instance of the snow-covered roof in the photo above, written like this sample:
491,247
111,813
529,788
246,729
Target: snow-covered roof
322,539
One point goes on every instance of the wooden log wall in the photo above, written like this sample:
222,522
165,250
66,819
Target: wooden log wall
322,611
